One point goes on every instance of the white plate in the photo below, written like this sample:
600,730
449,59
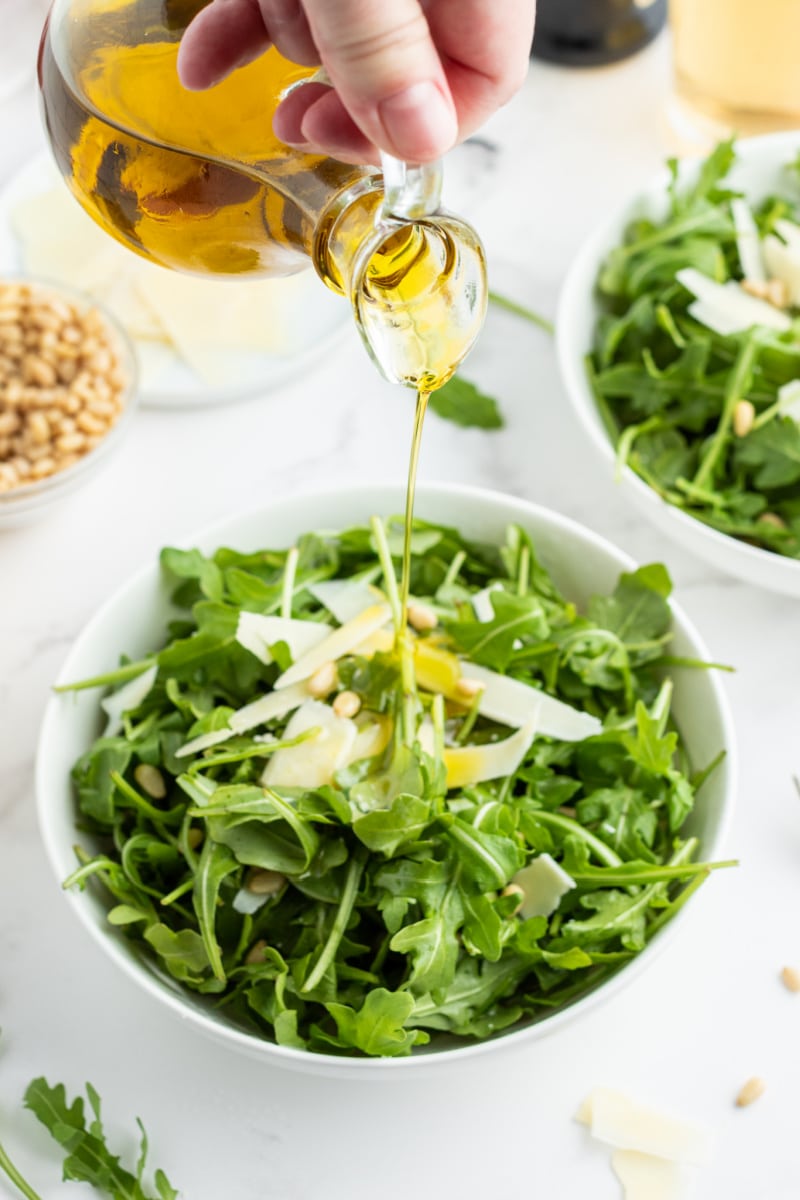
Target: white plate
758,172
318,318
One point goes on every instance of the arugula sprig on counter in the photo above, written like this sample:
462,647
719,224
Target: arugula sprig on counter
667,385
388,916
88,1158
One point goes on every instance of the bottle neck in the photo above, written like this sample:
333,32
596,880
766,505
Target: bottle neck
417,285
346,224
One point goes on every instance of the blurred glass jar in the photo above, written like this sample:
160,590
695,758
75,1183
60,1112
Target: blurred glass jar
736,65
590,32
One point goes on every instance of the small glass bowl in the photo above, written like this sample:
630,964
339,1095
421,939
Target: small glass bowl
29,501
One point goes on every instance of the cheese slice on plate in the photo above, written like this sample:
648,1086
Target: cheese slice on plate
645,1177
616,1119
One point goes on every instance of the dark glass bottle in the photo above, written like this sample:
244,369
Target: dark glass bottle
589,32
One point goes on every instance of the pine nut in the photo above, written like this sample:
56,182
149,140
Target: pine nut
750,1091
744,414
422,618
265,883
255,955
771,518
43,467
323,681
150,780
347,704
791,978
39,428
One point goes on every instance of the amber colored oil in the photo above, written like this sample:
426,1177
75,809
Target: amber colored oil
198,181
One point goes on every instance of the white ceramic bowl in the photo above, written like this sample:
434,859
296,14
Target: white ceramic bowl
29,502
132,621
758,172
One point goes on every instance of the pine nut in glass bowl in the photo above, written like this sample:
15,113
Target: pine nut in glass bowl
337,852
724,456
67,392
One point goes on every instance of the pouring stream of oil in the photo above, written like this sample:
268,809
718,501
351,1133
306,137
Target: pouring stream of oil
404,647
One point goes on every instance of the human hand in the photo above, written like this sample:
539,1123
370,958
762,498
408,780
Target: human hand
410,77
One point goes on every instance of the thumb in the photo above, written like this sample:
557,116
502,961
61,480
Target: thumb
382,61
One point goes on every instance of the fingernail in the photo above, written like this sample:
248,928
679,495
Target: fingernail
419,122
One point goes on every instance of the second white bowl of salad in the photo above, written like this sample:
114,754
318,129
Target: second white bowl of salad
679,343
328,861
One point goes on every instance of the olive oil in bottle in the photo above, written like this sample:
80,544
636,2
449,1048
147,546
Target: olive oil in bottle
198,181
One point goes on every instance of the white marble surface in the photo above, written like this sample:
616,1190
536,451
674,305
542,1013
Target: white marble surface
707,1015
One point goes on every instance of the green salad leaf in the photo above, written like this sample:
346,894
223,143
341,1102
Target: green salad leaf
88,1158
668,386
349,887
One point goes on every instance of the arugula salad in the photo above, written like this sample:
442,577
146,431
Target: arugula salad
349,847
696,359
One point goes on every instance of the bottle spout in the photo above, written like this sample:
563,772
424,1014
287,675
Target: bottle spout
418,288
411,190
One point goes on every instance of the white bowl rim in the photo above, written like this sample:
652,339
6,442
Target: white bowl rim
342,1065
592,251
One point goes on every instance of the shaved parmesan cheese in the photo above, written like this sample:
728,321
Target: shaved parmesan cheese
204,742
343,598
783,262
728,303
513,703
314,762
202,321
247,902
543,882
714,319
747,241
620,1121
789,400
437,669
201,318
372,738
381,641
789,231
129,696
426,736
482,604
266,708
644,1177
477,764
342,641
257,633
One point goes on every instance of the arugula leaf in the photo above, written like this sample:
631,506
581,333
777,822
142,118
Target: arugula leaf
88,1157
493,643
465,404
379,1025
